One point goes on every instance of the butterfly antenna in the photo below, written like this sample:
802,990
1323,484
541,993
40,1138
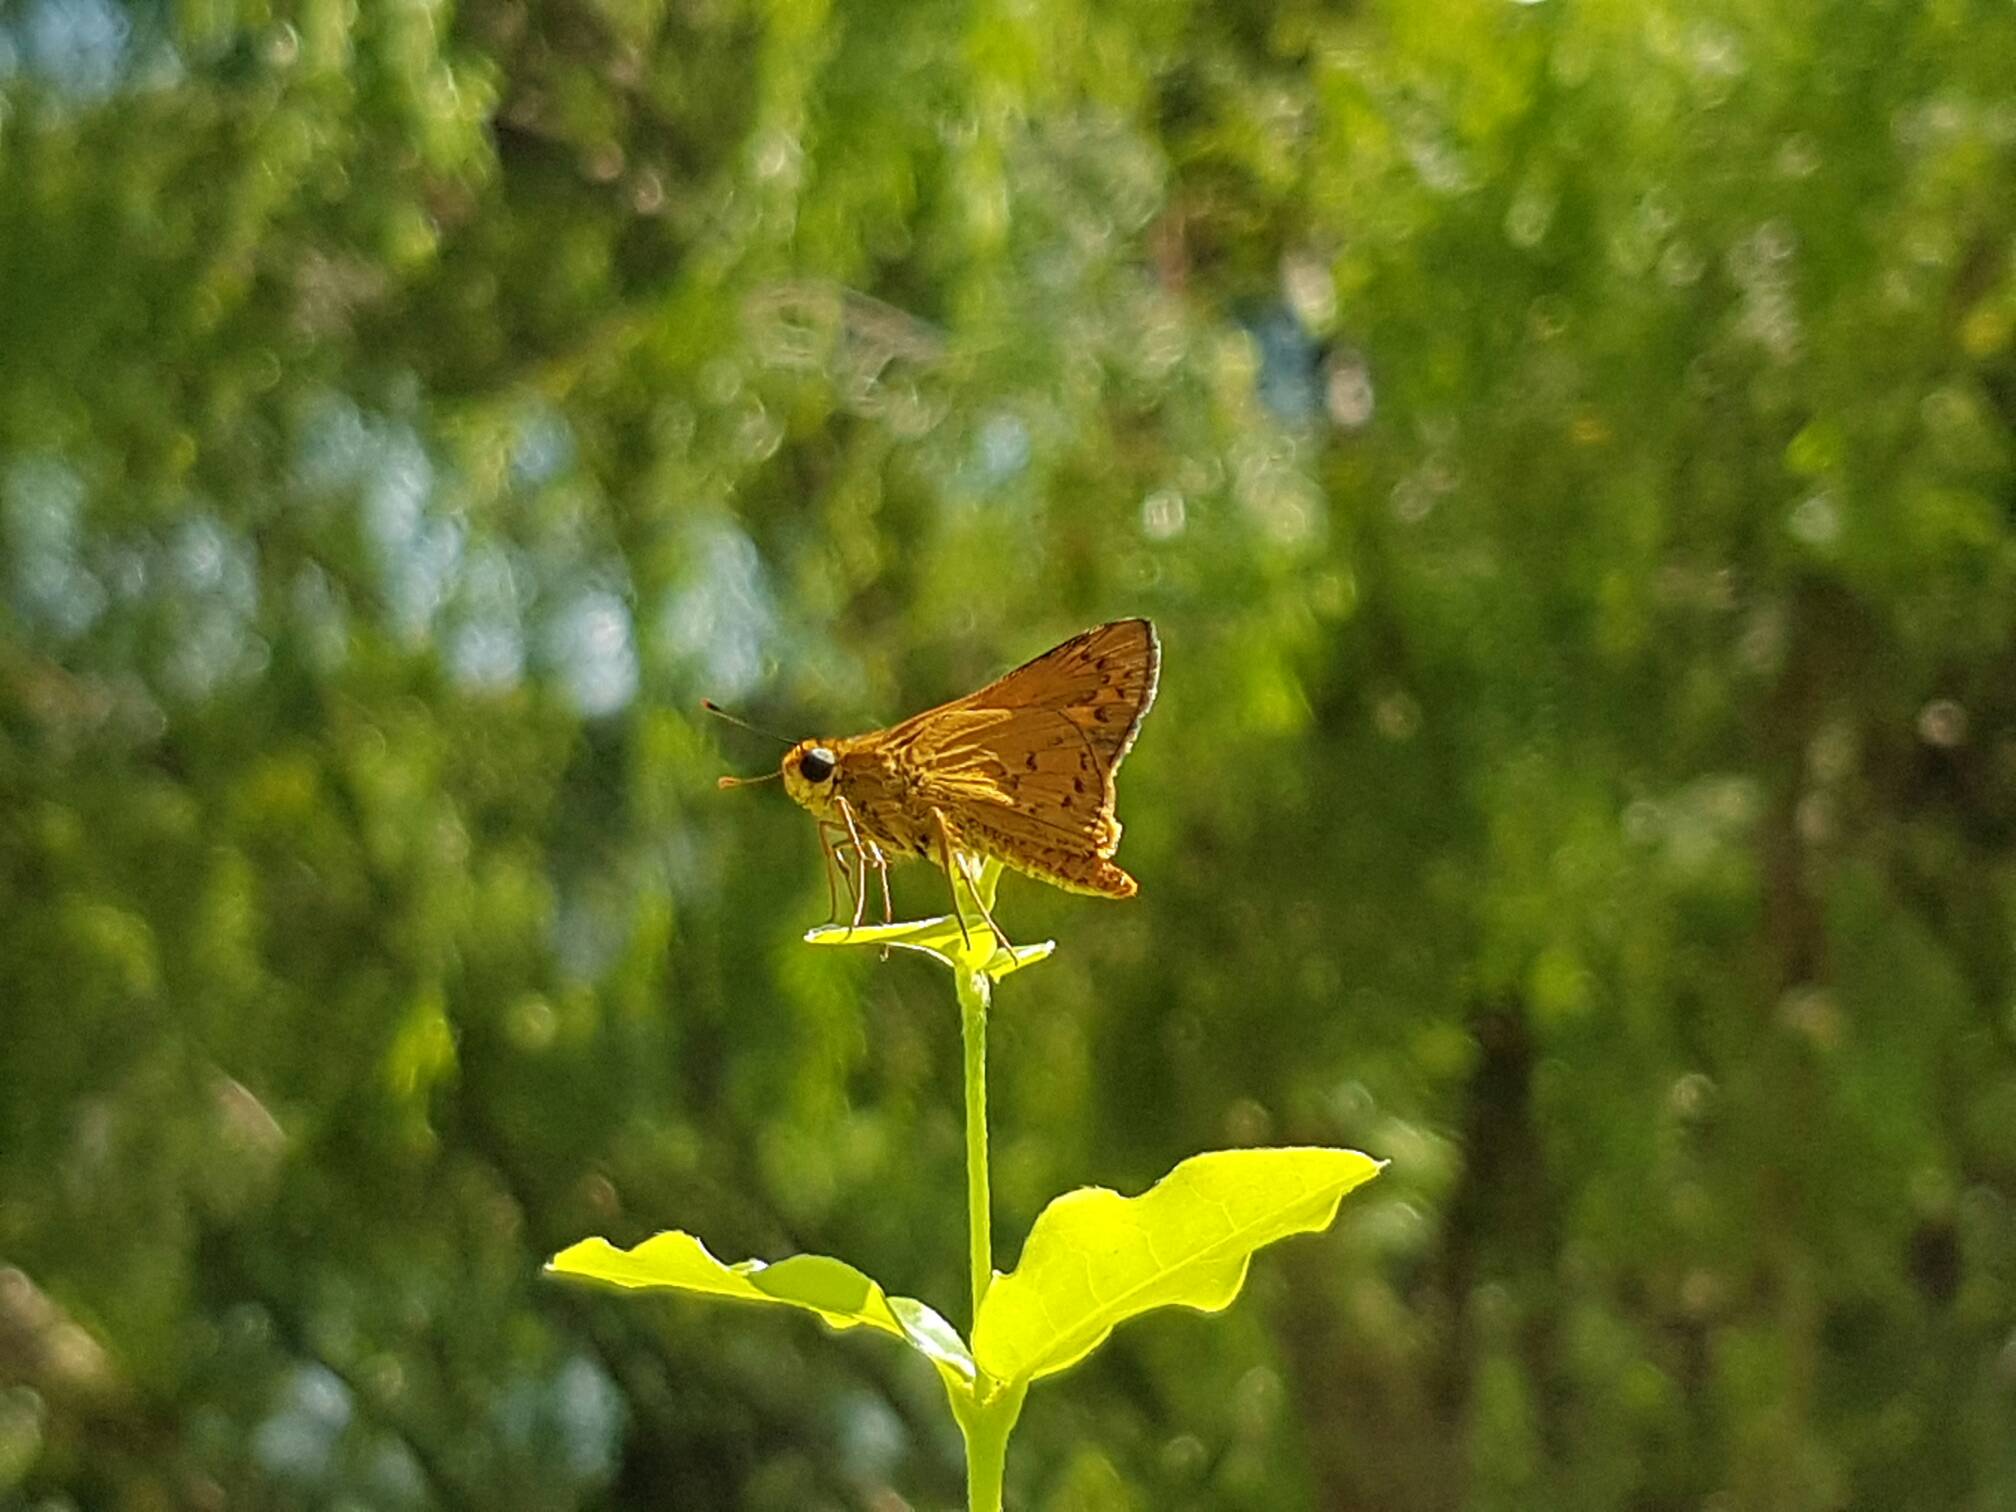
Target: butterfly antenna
734,782
735,719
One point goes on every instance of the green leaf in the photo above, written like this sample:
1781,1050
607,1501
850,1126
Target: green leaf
841,1295
1095,1258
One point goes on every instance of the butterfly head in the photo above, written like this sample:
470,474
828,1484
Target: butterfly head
810,769
811,772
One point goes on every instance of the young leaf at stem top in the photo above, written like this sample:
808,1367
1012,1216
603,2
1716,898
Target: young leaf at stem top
964,941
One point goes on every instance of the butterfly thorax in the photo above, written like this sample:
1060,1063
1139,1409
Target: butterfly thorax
861,782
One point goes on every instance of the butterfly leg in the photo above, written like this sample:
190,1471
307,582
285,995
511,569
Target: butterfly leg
948,855
973,887
882,866
955,868
830,852
860,881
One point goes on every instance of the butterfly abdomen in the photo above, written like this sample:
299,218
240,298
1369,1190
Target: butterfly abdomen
1075,870
1085,874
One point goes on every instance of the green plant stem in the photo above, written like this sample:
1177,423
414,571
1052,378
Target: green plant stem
989,1414
987,1427
973,996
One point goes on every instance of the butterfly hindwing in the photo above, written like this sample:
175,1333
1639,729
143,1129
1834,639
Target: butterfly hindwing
1024,767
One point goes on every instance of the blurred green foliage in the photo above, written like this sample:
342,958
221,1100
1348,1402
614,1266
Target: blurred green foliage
1567,449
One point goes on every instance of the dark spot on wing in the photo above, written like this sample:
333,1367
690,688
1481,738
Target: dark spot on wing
1078,784
1029,761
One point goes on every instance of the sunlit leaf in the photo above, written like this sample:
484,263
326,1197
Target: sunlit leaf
841,1295
1095,1258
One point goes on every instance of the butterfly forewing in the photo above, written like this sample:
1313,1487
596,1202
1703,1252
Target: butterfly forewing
1024,767
1103,681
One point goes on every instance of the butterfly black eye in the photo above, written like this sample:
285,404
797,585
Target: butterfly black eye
817,764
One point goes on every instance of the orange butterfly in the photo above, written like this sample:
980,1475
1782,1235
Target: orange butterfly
1021,771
